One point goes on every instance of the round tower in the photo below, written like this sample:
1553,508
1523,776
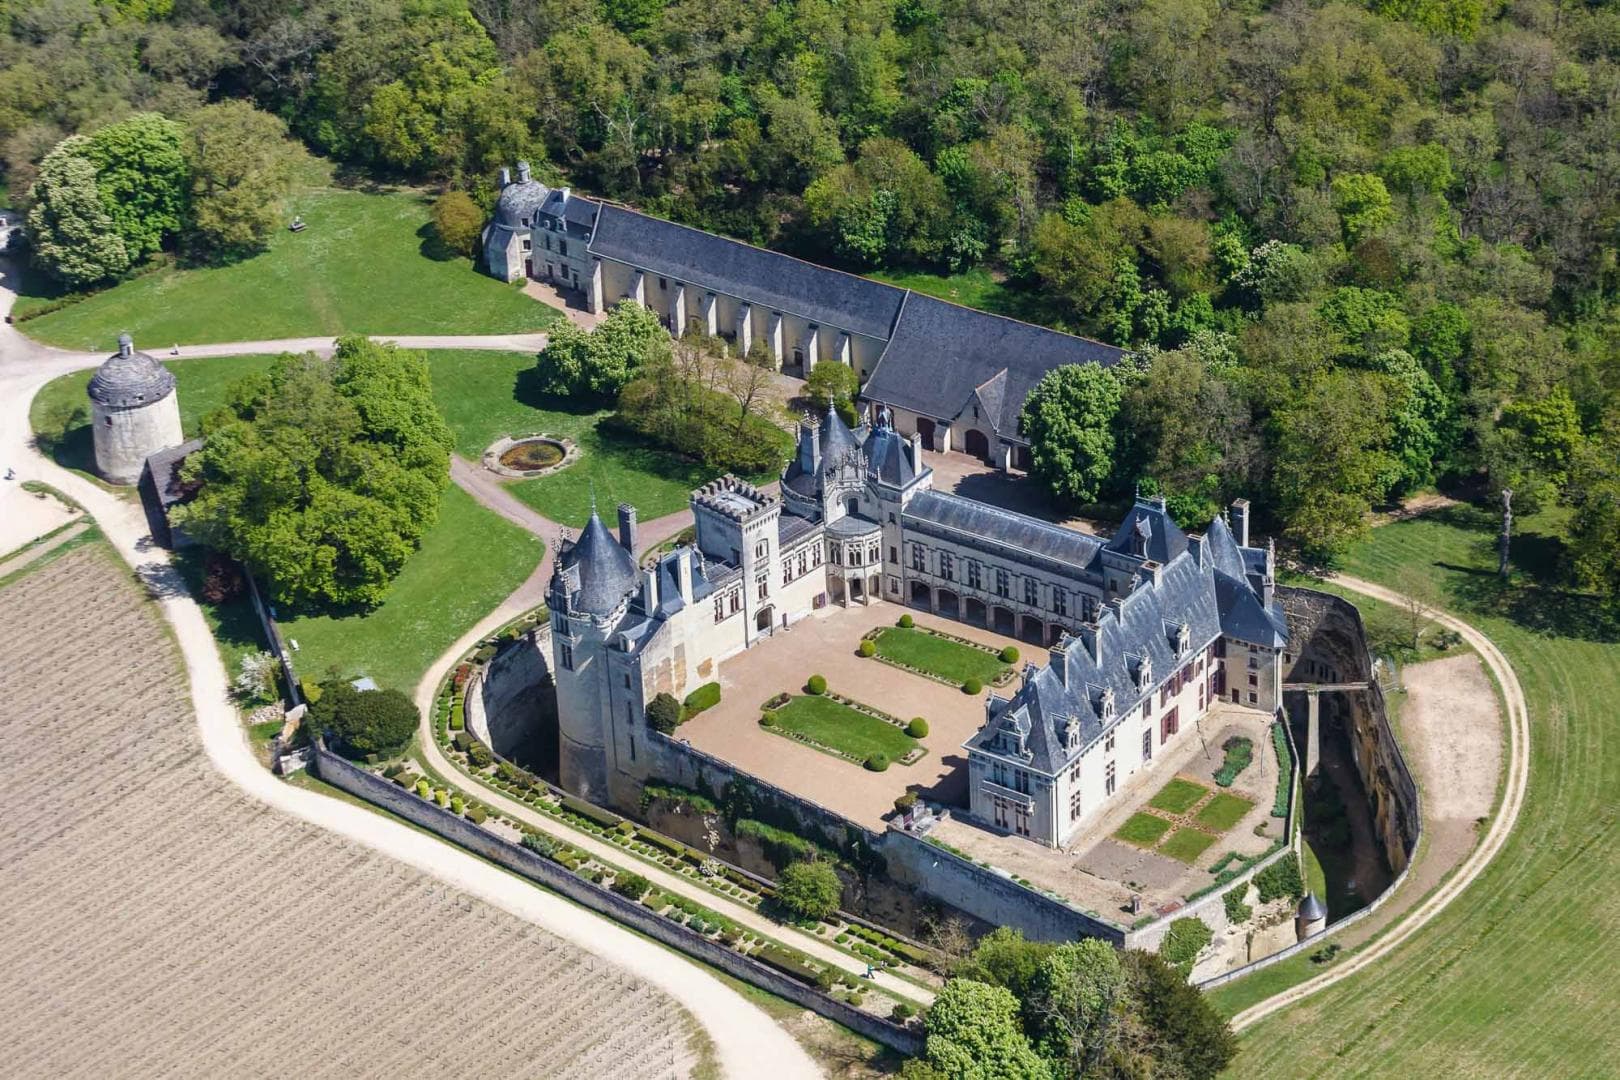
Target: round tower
134,410
590,587
1312,917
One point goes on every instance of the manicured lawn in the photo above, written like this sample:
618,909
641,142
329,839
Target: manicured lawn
1178,796
485,395
467,565
1223,811
950,660
1143,830
364,265
1531,937
842,728
1186,845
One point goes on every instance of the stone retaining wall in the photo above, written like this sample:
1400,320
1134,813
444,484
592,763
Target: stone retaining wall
374,789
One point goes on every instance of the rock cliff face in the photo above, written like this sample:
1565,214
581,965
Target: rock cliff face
514,705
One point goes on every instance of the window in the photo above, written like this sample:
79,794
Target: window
947,566
894,554
762,549
802,569
1252,698
1254,664
568,657
562,247
854,556
973,574
1021,821
1254,680
719,609
632,746
919,558
1147,746
1108,743
1021,780
894,585
663,283
1169,724
1032,592
1220,647
526,244
627,680
1109,779
1060,601
1000,811
736,601
764,587
1074,804
787,572
815,556
1002,588
1146,709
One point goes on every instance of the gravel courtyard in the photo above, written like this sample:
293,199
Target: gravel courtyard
156,921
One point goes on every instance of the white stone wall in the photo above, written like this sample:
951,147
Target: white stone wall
1046,581
125,438
503,253
1244,660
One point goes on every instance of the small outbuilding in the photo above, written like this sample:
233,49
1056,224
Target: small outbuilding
1312,917
134,410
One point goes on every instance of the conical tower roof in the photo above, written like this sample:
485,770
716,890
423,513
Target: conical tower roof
1311,909
836,440
607,573
129,379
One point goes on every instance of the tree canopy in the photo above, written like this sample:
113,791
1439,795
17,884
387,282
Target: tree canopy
599,363
810,890
1069,420
362,721
323,475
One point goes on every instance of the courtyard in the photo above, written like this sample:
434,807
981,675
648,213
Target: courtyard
826,644
1162,837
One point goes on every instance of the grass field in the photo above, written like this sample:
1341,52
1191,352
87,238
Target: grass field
1143,830
842,728
1178,796
366,264
1186,845
950,660
1514,978
467,565
1223,811
485,395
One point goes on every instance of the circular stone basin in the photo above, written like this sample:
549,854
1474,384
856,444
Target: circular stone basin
532,454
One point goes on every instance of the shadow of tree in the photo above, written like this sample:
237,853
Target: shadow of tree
433,247
527,389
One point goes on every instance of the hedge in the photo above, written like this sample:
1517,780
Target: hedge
1280,879
1009,655
1239,753
588,810
706,696
793,964
877,762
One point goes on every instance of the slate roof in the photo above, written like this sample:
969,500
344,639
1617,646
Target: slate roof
1311,909
789,528
577,214
941,354
129,379
165,469
888,458
518,200
669,583
996,531
1165,540
764,278
605,571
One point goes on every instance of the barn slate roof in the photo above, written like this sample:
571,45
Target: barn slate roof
767,279
997,531
941,354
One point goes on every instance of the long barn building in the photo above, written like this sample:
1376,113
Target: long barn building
954,376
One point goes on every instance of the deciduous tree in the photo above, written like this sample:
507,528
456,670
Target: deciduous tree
1069,421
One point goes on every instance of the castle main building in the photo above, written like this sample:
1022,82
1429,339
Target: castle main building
951,375
1145,631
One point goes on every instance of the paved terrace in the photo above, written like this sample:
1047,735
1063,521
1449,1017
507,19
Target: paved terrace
825,644
1100,873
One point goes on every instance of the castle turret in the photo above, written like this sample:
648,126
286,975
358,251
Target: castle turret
134,411
1312,917
594,577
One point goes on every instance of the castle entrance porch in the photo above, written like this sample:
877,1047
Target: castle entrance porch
974,613
946,603
1002,621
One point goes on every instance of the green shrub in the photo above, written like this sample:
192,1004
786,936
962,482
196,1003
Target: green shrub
917,728
1183,942
457,805
310,689
541,844
477,815
867,649
816,684
423,788
706,696
462,741
1280,879
972,686
605,818
632,885
1236,910
442,797
479,756
767,719
485,654
906,622
1009,655
825,980
1239,753
902,1012
458,714
790,962
810,890
664,713
877,762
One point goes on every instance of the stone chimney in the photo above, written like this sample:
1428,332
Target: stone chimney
565,193
683,574
523,172
1091,638
649,589
1240,521
506,176
809,446
916,451
1195,544
126,345
627,528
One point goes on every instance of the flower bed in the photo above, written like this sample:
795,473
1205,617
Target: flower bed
939,656
842,727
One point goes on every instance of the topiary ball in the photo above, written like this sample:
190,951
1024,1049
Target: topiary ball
817,684
877,762
917,728
972,686
907,622
867,649
1009,655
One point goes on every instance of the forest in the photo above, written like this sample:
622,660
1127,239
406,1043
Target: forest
1358,250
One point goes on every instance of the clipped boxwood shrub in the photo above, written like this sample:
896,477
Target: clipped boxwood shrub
867,649
917,728
664,713
477,815
1009,655
479,755
632,885
972,686
816,684
906,622
877,762
595,813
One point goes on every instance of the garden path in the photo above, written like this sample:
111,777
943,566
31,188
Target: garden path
742,1033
